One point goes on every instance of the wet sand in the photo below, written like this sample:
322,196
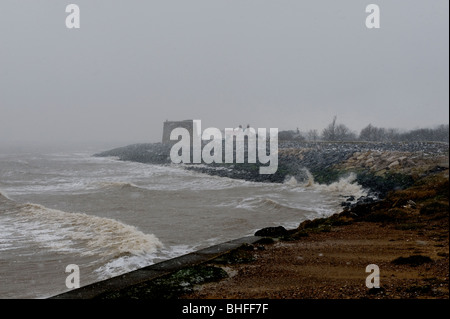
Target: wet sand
333,264
328,260
406,235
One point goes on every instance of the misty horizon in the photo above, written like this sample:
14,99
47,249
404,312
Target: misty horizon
293,65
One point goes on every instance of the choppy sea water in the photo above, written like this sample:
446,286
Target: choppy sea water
110,217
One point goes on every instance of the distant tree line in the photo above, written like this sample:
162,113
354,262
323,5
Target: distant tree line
340,132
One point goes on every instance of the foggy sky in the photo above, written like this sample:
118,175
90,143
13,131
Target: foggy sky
284,64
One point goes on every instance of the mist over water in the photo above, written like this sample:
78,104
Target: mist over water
110,217
132,65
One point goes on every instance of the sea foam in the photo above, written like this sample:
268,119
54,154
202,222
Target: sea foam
90,235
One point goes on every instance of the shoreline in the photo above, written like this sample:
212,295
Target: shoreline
404,232
155,271
378,166
406,235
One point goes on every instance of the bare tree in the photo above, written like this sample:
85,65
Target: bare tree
372,133
343,133
313,135
391,135
329,133
440,133
337,132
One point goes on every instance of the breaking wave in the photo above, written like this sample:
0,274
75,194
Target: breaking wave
304,179
3,197
116,247
119,185
266,204
121,265
101,236
345,186
272,204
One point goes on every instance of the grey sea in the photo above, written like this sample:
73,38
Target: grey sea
110,217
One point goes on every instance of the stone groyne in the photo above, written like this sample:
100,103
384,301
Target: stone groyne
379,166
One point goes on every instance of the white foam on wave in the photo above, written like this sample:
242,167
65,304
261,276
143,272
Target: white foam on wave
345,186
3,194
291,181
308,180
123,264
81,233
248,203
178,250
116,184
116,247
49,186
7,240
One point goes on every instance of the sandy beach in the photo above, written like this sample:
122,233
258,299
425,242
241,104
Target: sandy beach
332,265
401,227
409,244
405,235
